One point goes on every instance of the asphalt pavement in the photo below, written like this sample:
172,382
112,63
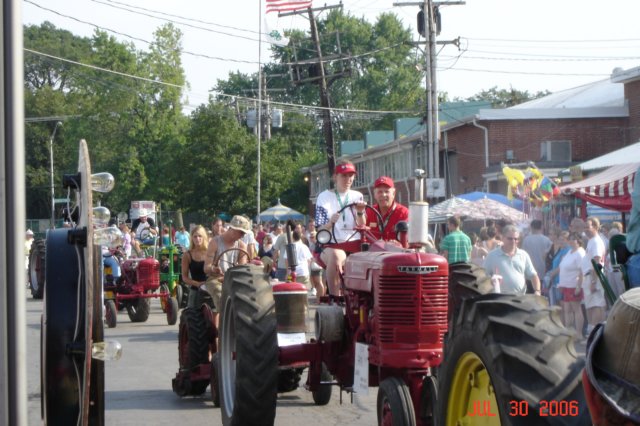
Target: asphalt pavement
138,386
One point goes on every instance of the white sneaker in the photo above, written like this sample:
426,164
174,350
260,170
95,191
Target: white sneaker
313,292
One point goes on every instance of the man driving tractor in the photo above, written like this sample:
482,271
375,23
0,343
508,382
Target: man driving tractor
220,257
145,230
384,191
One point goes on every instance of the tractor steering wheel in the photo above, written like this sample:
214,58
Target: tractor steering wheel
359,229
145,233
233,263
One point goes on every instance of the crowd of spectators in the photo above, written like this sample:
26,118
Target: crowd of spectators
556,264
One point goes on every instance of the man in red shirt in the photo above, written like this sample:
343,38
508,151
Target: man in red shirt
384,192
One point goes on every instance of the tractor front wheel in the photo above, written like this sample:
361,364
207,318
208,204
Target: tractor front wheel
248,370
138,309
394,405
323,395
163,300
172,310
37,268
111,313
179,293
506,348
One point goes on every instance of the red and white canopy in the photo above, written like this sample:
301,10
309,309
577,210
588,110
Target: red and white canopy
610,189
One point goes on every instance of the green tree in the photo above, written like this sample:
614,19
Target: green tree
158,125
133,127
218,163
505,98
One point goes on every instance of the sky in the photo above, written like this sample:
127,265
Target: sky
521,44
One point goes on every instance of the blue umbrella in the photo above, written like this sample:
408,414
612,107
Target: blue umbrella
477,195
280,213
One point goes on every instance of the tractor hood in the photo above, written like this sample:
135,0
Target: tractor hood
390,260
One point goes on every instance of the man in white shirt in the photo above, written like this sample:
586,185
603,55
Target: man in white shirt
303,260
594,300
250,241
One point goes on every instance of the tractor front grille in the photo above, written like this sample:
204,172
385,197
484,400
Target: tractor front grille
148,274
412,309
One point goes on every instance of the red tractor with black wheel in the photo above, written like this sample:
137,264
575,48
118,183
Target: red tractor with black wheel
198,339
133,290
435,340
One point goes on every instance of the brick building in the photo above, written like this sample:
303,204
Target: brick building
555,132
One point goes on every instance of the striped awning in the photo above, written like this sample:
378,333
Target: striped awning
611,188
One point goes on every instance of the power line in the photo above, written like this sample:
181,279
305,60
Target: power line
35,52
107,3
620,40
186,52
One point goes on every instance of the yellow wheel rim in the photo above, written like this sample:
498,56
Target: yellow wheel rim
471,400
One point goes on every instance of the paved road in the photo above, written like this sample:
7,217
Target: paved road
138,386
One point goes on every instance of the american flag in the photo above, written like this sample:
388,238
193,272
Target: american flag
287,5
322,218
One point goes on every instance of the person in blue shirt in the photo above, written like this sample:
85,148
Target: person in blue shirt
557,252
182,238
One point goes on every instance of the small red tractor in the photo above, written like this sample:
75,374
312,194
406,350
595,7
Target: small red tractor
138,283
441,347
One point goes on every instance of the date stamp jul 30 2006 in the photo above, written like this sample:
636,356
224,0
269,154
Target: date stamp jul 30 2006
550,408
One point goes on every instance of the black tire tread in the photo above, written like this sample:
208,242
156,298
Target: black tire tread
323,395
111,313
139,309
172,310
397,393
528,354
196,330
256,346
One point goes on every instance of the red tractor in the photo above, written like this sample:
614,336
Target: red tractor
441,347
138,283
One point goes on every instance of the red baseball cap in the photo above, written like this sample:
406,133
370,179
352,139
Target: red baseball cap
384,181
345,169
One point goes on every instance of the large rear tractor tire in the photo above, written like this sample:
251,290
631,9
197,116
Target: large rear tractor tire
248,352
394,405
506,355
37,268
139,309
193,350
466,280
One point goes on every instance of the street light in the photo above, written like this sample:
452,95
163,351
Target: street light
53,201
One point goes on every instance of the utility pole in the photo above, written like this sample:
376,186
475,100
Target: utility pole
53,198
430,17
321,79
327,128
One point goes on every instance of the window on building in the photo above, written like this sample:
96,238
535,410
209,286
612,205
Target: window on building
555,151
363,177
